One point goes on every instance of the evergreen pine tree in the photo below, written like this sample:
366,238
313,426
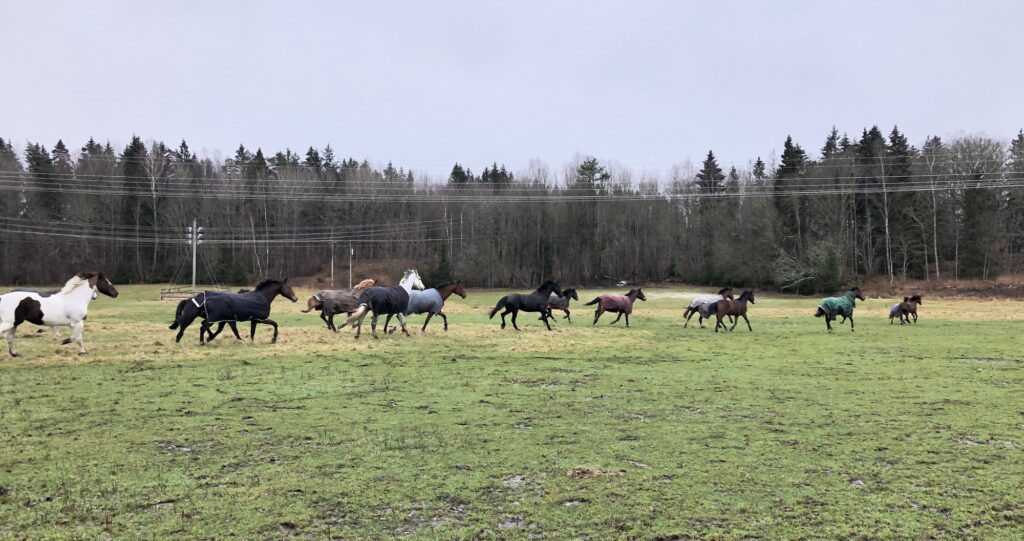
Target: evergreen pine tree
710,178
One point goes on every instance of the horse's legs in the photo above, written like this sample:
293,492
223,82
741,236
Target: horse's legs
234,330
401,321
915,315
373,325
617,319
9,335
545,317
507,310
687,314
204,328
700,319
851,322
252,332
212,335
273,324
76,336
568,315
515,314
735,320
718,321
56,333
627,320
429,315
597,314
386,321
748,323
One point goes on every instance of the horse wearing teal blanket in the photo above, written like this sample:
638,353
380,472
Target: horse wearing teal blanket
833,307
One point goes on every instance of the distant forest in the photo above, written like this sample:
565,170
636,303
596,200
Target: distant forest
808,221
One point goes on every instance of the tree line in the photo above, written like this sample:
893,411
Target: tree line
868,206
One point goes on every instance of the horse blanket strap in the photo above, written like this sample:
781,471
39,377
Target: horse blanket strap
317,297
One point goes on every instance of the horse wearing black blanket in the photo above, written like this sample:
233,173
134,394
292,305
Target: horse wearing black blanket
252,306
391,301
188,310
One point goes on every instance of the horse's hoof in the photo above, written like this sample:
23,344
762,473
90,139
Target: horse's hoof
13,354
65,341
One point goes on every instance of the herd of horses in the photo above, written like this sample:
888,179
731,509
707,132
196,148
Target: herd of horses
69,305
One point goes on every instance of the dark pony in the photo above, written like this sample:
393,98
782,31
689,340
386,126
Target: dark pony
227,308
561,302
530,302
188,310
736,308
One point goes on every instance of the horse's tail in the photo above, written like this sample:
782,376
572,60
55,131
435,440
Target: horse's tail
501,304
177,314
356,316
820,312
595,301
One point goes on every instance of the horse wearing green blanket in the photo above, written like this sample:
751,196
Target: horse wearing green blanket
833,307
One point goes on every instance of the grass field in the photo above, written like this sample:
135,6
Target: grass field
786,432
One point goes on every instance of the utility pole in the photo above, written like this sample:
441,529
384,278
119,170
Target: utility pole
194,236
351,252
332,257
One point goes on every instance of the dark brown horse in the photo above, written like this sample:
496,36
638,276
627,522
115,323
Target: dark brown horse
736,308
701,306
905,309
620,304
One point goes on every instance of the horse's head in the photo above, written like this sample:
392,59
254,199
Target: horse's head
412,279
858,293
570,293
458,289
283,288
916,299
748,295
725,292
637,294
99,282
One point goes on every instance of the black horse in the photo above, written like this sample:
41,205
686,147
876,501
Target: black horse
188,310
532,302
561,302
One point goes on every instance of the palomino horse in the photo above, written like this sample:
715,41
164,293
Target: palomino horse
621,304
530,302
735,308
331,302
391,301
561,302
431,301
701,306
69,306
252,306
905,309
833,307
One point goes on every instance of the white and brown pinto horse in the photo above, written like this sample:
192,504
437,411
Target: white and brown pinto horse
69,306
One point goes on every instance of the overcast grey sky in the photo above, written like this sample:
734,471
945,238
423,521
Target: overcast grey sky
647,84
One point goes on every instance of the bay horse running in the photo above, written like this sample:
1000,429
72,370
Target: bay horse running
331,302
252,306
621,304
431,302
561,302
391,301
529,302
701,305
903,310
832,307
735,308
69,306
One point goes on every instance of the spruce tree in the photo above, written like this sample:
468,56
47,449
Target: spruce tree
710,178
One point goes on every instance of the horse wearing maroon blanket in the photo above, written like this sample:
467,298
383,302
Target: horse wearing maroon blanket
620,304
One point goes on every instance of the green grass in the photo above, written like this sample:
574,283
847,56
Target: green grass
786,432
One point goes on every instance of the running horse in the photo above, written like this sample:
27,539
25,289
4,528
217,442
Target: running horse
189,309
537,301
252,306
735,308
832,307
331,302
621,304
701,306
431,302
903,310
391,301
561,302
69,306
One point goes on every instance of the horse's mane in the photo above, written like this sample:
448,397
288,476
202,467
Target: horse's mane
444,285
74,282
267,283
